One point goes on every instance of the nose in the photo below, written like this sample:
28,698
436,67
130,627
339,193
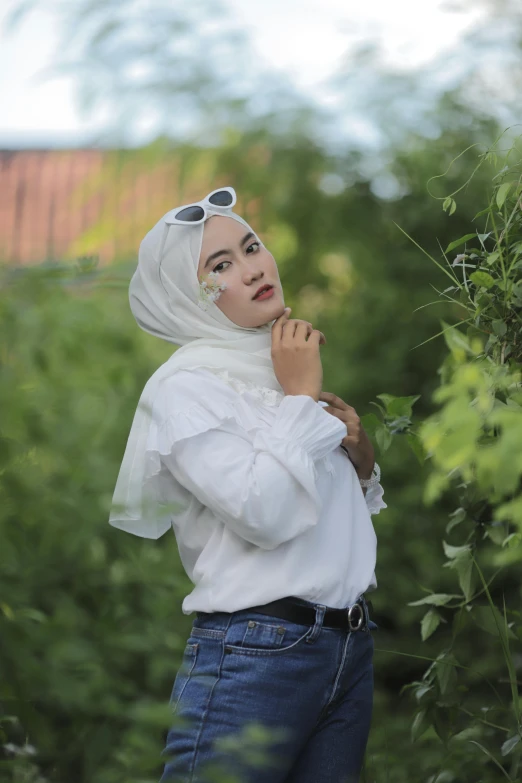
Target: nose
255,277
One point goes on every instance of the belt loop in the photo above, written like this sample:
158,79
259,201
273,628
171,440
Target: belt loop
320,610
365,609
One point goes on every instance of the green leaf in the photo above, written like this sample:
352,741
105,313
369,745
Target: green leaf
456,551
446,203
449,204
461,621
513,540
457,516
459,242
419,725
499,328
493,257
386,398
435,599
429,623
462,561
384,438
455,339
423,690
502,193
400,424
401,406
33,614
446,674
496,532
482,279
442,721
510,744
416,446
464,569
483,617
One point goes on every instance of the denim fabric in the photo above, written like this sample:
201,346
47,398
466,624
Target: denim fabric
313,685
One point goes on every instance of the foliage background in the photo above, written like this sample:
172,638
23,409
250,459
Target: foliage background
90,619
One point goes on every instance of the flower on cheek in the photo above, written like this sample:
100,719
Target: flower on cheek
210,290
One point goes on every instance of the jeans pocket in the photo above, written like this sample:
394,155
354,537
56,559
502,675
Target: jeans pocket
204,632
268,636
184,673
263,636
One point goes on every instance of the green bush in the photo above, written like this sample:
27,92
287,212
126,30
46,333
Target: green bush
468,700
89,618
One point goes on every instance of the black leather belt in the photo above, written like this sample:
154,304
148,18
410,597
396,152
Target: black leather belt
353,618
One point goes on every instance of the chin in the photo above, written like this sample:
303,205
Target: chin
270,314
275,311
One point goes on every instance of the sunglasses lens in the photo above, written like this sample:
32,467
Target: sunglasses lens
190,214
221,199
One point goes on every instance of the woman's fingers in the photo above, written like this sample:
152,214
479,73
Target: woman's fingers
279,324
334,401
277,327
322,339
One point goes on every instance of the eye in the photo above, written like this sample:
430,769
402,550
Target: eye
217,269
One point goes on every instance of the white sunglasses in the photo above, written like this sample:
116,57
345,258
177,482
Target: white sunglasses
222,198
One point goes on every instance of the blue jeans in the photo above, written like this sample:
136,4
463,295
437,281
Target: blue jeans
306,692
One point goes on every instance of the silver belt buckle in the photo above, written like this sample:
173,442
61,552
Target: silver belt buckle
358,608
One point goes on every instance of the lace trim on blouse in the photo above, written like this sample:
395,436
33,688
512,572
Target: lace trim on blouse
261,393
265,396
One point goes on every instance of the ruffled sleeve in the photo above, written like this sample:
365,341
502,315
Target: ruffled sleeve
373,495
260,481
374,499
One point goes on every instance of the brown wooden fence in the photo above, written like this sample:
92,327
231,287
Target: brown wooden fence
56,204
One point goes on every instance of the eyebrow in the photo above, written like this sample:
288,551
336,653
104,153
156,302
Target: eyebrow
218,253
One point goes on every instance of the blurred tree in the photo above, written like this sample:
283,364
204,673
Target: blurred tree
465,88
187,71
184,70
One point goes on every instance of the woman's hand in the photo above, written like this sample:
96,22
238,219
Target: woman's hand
356,442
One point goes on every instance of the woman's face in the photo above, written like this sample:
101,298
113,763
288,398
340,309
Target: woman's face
240,260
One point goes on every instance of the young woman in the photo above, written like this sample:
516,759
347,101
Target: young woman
267,483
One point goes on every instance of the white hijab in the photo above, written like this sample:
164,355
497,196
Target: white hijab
163,295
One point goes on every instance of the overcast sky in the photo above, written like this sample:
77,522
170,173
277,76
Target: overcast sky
304,38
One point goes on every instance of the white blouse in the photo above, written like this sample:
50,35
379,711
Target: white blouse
271,505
